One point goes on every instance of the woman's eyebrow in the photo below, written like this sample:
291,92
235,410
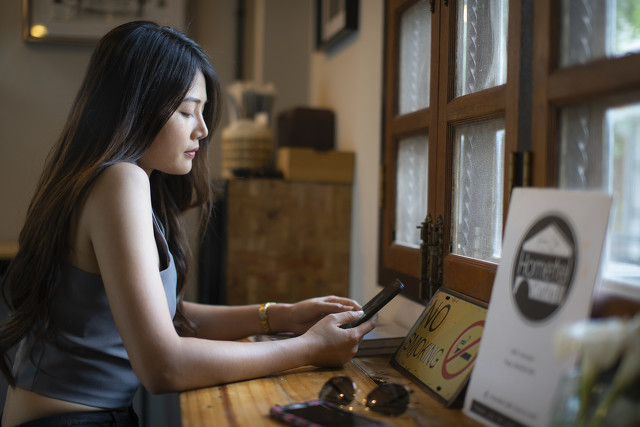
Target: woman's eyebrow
192,99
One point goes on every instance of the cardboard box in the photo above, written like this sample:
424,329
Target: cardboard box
307,164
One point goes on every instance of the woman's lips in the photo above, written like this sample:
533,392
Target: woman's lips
191,153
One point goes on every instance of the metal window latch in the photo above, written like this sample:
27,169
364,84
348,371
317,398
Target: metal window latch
431,254
519,172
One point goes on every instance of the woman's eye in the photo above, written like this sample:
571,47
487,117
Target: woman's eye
186,114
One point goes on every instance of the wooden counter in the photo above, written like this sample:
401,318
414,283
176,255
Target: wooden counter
247,403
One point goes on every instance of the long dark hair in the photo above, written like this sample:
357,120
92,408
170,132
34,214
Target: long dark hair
137,77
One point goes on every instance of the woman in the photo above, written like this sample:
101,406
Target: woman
95,289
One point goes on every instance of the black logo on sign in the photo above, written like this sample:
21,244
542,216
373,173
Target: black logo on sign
543,268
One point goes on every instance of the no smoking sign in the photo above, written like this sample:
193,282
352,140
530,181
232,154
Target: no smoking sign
443,344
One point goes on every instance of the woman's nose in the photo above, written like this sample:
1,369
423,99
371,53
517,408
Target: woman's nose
201,130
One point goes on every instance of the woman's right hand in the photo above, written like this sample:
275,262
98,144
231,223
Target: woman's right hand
330,345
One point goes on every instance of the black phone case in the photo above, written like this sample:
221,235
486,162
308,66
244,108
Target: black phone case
282,413
376,303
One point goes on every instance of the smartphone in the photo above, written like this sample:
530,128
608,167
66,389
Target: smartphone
377,302
320,413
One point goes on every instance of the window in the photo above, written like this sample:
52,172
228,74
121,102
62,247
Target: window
478,183
450,123
472,90
588,106
412,36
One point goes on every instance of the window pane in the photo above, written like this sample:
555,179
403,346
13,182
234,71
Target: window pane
481,54
415,58
478,182
600,150
595,29
411,191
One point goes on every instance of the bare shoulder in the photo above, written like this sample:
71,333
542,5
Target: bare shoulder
123,173
120,191
118,201
121,180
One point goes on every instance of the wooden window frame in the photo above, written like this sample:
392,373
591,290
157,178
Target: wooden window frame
395,260
471,277
555,88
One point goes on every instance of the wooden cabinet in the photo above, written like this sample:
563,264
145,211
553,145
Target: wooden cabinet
286,240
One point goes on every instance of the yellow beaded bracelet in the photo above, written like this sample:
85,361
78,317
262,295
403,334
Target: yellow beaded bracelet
264,318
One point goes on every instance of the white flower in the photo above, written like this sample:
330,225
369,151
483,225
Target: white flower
599,344
627,372
600,341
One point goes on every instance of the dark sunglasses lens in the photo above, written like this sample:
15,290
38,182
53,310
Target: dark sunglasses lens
339,390
388,399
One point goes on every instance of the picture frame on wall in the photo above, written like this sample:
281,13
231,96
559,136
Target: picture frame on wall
85,22
335,20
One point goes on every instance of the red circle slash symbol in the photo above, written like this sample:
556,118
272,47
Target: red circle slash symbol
465,351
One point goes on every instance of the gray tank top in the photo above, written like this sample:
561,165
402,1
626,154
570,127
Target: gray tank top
86,361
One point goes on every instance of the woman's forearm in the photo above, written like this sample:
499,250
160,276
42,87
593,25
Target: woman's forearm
171,363
206,363
233,322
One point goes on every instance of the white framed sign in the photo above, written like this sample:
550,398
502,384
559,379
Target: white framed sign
551,254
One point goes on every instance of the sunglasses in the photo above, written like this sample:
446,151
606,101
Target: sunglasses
386,398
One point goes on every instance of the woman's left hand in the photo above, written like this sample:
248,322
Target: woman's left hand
299,317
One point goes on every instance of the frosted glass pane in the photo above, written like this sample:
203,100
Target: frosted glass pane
481,54
478,178
595,29
411,189
415,58
600,150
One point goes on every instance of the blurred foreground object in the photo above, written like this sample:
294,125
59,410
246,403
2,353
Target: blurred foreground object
603,388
